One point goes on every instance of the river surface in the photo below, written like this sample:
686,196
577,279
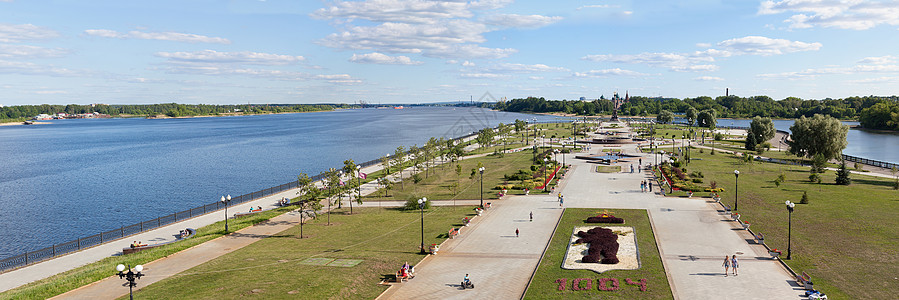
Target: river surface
75,178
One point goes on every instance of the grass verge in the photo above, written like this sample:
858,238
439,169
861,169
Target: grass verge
545,285
75,278
273,268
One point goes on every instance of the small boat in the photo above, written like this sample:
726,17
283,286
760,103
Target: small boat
398,107
28,122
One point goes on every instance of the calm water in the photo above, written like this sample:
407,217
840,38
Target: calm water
74,178
862,143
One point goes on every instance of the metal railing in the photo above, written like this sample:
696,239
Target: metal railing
870,162
32,257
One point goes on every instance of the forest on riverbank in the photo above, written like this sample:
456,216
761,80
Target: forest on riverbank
873,112
23,112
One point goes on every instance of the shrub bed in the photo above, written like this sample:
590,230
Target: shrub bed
603,245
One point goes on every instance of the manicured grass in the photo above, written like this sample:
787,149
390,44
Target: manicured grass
544,285
845,238
271,268
437,185
75,278
608,169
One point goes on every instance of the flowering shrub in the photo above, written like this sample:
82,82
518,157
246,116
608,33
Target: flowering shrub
603,243
605,218
603,286
561,282
576,284
641,283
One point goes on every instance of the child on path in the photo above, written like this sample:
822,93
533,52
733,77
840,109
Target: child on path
726,265
734,264
516,232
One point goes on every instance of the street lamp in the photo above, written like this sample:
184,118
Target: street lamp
736,188
481,170
130,276
421,208
790,206
545,176
359,181
226,201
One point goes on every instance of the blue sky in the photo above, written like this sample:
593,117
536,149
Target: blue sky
393,51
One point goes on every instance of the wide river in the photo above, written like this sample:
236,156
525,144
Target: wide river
75,178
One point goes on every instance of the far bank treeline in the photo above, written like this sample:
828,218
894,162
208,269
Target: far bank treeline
168,109
872,111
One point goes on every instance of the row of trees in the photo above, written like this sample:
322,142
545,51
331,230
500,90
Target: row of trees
170,109
724,106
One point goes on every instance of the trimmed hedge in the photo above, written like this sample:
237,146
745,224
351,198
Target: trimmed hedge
603,243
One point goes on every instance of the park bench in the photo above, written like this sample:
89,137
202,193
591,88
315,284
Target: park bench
453,232
735,216
465,221
759,238
726,208
804,280
745,225
487,205
774,253
142,247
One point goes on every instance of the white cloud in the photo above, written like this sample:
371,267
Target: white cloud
407,38
25,68
522,68
482,75
469,51
244,57
468,64
759,45
811,73
843,14
11,33
708,78
599,6
879,60
609,72
416,11
163,36
521,21
26,51
703,45
695,68
878,80
535,77
379,58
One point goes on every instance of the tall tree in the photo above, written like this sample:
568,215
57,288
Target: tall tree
309,200
707,118
399,157
691,115
665,117
824,135
760,131
485,136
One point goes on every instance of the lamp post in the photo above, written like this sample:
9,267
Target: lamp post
359,181
736,188
421,208
790,206
527,133
481,170
226,201
545,175
130,276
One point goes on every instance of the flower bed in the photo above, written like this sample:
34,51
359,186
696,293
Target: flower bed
550,178
603,245
605,218
625,250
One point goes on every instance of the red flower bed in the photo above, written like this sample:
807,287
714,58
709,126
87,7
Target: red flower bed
550,178
605,218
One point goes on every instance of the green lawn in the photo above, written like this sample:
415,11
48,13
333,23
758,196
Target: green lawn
544,284
75,278
845,238
284,266
438,184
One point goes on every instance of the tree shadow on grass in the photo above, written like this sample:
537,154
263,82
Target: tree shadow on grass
873,182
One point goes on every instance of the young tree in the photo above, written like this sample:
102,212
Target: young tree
349,168
843,174
309,202
819,134
750,143
332,181
485,136
399,157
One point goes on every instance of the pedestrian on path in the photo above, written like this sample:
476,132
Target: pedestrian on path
643,186
734,264
726,265
561,201
532,216
632,168
640,165
516,232
650,186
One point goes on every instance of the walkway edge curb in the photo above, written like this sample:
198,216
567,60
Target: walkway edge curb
553,234
662,256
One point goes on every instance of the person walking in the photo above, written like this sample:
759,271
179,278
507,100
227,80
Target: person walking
734,264
516,232
640,165
561,201
532,216
650,186
632,168
726,265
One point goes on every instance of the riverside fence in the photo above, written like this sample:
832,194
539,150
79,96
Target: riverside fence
33,257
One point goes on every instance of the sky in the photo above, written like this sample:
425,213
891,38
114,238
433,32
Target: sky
394,51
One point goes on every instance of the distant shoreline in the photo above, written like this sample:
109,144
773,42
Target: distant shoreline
162,117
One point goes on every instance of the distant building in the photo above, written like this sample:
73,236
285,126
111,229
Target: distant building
583,98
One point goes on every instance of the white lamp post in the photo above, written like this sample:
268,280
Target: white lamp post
226,200
130,276
421,207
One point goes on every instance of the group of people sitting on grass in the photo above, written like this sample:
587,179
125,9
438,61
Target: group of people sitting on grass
137,244
406,272
258,208
284,202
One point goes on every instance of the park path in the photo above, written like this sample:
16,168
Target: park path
692,234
